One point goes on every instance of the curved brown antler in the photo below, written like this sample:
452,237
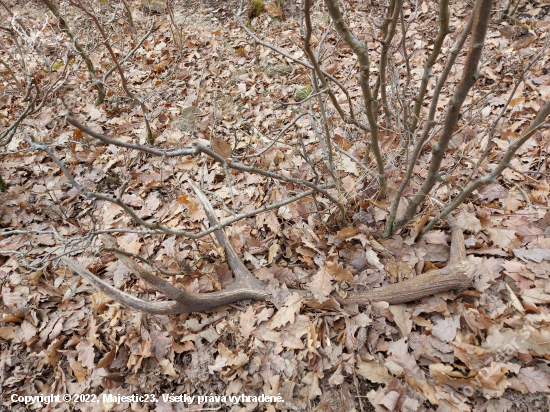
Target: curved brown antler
246,286
457,275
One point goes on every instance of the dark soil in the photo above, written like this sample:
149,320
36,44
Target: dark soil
527,403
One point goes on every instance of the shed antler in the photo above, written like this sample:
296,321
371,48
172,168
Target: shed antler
246,286
456,275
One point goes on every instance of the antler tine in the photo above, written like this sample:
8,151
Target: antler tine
158,283
243,277
458,250
154,308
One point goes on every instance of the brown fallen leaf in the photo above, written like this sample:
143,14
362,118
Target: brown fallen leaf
321,284
220,146
274,11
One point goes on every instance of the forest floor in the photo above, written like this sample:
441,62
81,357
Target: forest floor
486,349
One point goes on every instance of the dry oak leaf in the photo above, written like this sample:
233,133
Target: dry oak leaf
535,379
373,260
504,238
347,232
468,221
235,359
523,42
536,295
86,354
321,284
25,333
373,371
534,253
401,356
473,357
510,342
167,368
246,322
288,311
492,377
402,318
185,199
100,301
445,329
221,147
7,333
274,11
493,191
128,244
340,273
79,372
436,237
390,400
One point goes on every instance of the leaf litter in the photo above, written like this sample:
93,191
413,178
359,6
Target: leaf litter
485,350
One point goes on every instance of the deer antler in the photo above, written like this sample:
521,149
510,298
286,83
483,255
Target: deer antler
246,286
456,275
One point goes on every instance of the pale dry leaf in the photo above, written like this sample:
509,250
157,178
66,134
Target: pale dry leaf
25,333
339,273
128,244
167,368
504,238
94,112
235,359
509,342
445,329
246,322
390,400
321,284
273,249
535,379
536,295
402,318
493,377
288,311
311,380
435,253
410,405
373,371
483,276
133,200
468,221
272,222
401,356
111,213
86,354
100,301
436,237
79,372
493,191
473,356
265,314
373,260
534,253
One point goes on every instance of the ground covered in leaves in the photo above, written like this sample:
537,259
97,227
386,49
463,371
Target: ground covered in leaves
487,349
